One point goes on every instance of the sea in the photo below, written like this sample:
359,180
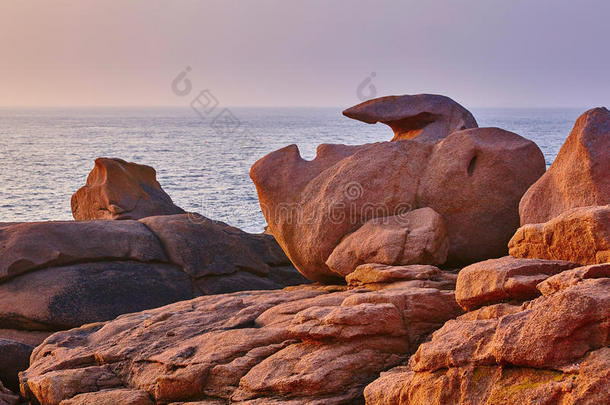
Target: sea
202,161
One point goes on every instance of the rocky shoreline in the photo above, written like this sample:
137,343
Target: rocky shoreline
448,267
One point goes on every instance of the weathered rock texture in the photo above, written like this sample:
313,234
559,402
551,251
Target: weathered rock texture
61,275
504,279
474,179
301,345
579,235
117,189
417,237
553,350
580,174
427,117
7,397
372,273
14,357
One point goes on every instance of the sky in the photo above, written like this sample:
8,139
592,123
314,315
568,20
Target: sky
484,53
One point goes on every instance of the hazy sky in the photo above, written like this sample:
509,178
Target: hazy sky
304,53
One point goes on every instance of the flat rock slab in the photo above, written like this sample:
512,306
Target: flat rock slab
31,245
505,279
66,297
306,344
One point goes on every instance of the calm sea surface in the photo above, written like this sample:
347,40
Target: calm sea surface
46,154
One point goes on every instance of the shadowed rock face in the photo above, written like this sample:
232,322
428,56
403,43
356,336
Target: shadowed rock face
425,117
580,174
7,397
301,345
474,179
117,189
551,350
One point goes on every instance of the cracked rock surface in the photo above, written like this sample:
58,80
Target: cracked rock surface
304,345
551,350
61,275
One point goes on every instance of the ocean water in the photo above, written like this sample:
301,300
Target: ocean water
46,154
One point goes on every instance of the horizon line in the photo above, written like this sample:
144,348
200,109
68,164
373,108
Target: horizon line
260,106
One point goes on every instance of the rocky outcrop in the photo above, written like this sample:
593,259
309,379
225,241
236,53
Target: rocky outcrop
580,174
554,349
306,344
425,117
417,237
504,279
580,235
474,179
117,189
61,275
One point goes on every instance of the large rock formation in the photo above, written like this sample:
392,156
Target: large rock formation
117,189
580,174
554,349
474,179
61,275
427,117
580,235
301,345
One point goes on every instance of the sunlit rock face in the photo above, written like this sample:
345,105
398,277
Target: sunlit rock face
117,189
553,349
473,178
579,175
580,235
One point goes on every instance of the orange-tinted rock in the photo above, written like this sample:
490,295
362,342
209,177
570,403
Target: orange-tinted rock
307,344
473,178
551,350
427,117
580,235
311,205
505,279
382,273
117,189
580,174
417,237
569,278
111,397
